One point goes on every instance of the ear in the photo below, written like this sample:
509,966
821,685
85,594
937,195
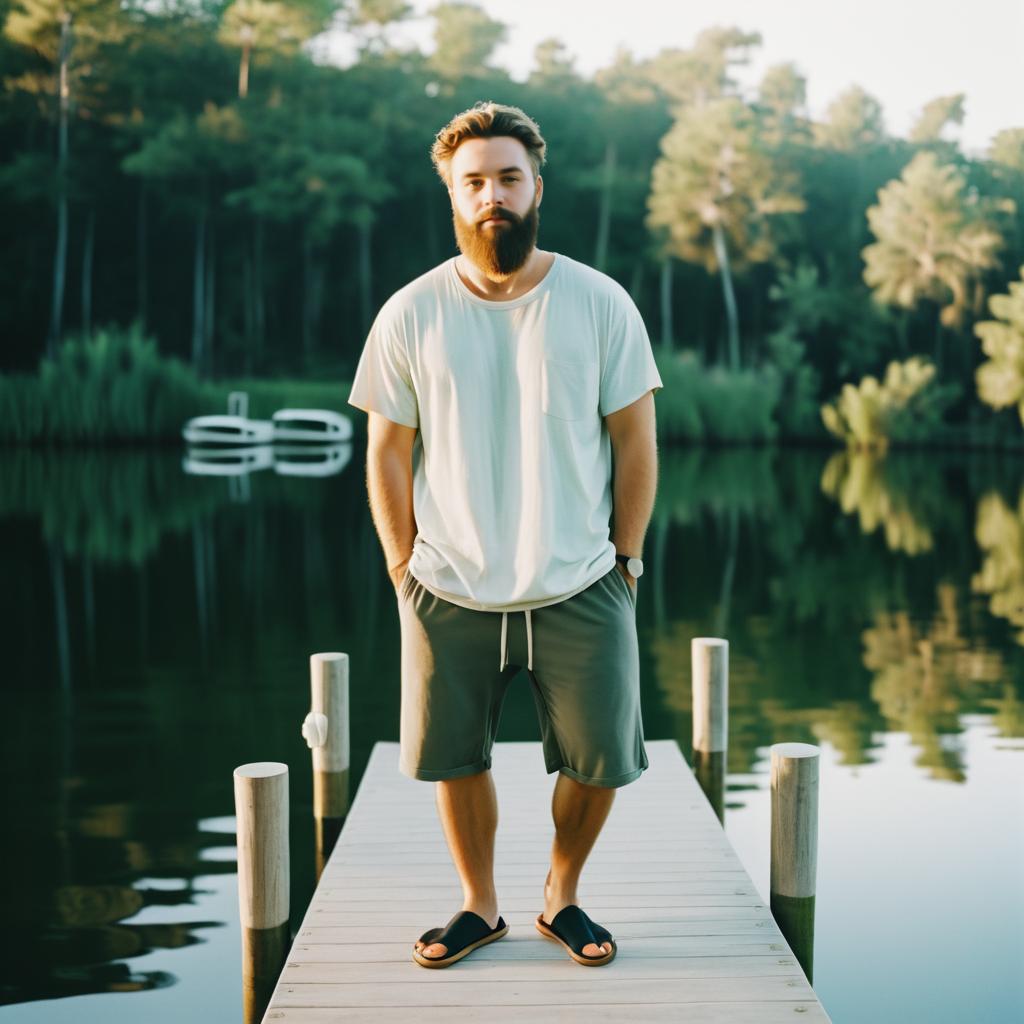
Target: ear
540,188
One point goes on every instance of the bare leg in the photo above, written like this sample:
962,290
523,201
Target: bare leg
579,812
468,808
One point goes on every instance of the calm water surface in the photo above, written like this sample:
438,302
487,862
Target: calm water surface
156,627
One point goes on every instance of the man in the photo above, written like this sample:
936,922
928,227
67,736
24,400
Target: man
499,386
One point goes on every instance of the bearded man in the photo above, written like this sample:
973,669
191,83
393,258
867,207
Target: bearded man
503,387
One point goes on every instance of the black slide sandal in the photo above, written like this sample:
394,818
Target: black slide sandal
465,932
574,930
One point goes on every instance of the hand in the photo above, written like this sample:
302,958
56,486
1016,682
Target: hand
397,573
631,580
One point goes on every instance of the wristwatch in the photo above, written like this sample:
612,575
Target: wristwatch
634,566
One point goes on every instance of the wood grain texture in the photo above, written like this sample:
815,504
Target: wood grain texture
261,816
794,836
709,668
696,942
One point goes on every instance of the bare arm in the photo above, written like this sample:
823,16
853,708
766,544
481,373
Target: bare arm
389,486
635,474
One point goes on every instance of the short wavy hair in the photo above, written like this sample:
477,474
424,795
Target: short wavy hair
485,120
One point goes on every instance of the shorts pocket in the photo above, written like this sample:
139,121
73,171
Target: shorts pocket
630,589
568,390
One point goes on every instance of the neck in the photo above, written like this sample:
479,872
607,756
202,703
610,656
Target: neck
509,287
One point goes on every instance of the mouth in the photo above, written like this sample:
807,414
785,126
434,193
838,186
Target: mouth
496,220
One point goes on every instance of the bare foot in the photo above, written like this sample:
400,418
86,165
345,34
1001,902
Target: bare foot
555,902
437,950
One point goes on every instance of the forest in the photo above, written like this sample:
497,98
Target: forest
195,197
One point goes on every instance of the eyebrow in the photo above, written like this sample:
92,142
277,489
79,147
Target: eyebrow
480,174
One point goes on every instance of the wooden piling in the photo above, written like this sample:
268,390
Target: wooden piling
794,845
328,736
261,811
709,660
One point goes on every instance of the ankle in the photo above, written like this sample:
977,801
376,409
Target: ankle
485,908
561,886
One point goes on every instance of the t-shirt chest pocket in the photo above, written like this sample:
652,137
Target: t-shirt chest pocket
568,389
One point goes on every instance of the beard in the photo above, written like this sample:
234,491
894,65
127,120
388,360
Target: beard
501,250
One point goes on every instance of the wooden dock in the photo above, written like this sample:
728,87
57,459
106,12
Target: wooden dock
696,942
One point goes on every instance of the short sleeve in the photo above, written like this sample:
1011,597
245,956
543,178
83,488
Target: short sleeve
383,383
628,368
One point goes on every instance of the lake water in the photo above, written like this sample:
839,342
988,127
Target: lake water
156,627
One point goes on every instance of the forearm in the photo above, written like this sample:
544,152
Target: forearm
389,486
634,484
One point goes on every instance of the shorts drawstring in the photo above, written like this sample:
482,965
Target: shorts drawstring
529,641
503,654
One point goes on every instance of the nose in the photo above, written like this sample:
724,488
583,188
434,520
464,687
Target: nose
491,194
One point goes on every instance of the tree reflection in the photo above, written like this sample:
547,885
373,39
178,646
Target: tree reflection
925,676
806,585
869,485
999,531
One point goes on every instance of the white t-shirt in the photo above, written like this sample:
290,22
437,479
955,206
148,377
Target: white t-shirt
512,462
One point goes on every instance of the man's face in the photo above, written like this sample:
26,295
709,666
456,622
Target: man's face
494,204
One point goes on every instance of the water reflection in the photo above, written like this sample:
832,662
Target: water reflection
1000,534
750,556
868,484
155,615
926,676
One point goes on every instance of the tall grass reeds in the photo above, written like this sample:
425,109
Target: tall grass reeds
115,386
700,403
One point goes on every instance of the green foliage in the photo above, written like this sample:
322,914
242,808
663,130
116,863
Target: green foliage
934,237
110,507
272,25
716,404
936,115
714,171
843,332
1000,379
797,413
266,396
906,406
115,386
853,121
464,37
296,211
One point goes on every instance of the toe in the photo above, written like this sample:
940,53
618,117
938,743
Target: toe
590,949
435,950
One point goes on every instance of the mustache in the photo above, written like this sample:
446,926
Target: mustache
498,214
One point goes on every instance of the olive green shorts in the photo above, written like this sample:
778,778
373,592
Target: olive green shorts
583,662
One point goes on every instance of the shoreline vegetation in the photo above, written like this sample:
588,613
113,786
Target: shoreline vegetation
207,174
114,387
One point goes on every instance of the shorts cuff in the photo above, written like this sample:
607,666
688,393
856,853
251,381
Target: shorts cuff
441,775
611,783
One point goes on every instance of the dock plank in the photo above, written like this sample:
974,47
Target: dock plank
696,942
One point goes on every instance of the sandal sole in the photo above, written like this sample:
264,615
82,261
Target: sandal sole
425,961
585,961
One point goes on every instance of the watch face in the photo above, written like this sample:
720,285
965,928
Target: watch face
635,568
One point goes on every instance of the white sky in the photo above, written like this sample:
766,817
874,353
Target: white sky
903,52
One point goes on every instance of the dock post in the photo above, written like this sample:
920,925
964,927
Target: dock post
261,811
794,839
326,729
709,659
